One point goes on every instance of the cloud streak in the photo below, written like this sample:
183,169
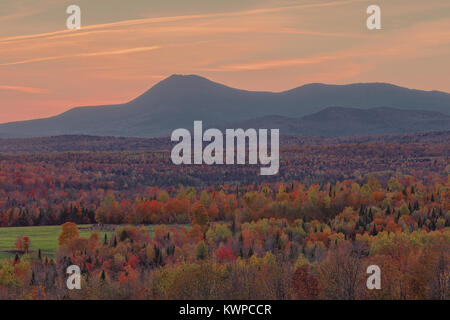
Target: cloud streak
135,22
81,55
24,89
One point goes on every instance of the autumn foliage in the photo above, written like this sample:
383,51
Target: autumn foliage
69,232
211,232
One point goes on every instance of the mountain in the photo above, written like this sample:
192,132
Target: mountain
180,99
344,121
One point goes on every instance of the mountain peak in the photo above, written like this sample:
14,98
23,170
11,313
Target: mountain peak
178,76
185,80
182,86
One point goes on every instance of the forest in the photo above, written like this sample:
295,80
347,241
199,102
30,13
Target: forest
224,232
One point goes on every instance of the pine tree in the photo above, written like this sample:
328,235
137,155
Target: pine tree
233,226
361,211
33,280
374,231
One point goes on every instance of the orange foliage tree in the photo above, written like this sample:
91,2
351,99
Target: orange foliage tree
69,232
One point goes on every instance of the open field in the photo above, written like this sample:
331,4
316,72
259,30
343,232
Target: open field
44,238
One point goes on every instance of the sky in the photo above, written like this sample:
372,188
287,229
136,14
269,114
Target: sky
125,47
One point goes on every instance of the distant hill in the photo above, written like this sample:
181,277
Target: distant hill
82,143
179,100
340,121
73,143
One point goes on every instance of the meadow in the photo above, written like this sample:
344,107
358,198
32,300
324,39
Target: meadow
45,238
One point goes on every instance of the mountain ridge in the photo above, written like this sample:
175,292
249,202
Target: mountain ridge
344,121
178,100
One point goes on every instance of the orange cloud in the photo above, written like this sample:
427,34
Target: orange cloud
408,42
79,55
269,64
23,89
134,22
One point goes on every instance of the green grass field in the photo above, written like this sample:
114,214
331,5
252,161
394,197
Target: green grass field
44,238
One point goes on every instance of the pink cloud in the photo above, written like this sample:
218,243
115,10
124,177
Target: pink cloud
23,89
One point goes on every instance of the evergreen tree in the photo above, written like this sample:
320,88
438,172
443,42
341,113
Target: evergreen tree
33,279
